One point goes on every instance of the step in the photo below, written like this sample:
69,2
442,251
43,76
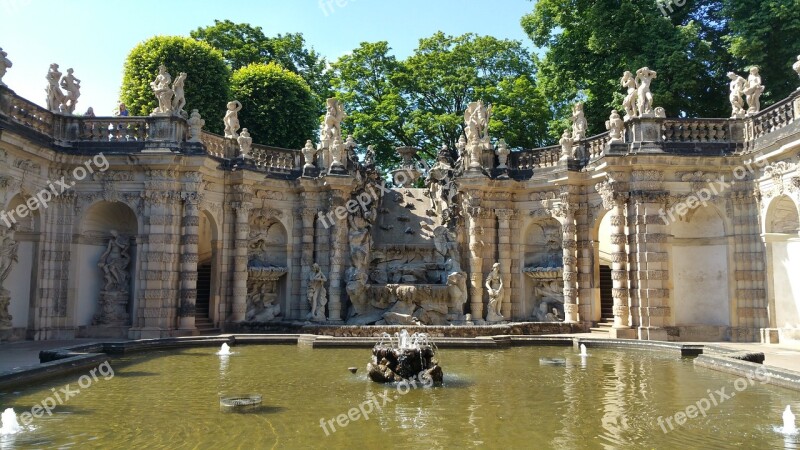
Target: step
604,331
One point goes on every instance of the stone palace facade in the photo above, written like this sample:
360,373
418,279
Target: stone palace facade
146,227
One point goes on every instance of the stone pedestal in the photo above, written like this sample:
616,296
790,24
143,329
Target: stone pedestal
113,309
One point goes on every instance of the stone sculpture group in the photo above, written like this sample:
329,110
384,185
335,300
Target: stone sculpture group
115,295
751,89
170,94
62,101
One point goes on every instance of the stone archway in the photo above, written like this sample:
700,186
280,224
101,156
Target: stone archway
103,271
700,274
19,246
603,304
781,227
207,317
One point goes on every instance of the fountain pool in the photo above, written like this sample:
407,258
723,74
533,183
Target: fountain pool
490,398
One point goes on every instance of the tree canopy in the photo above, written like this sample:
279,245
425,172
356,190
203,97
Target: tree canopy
206,86
278,107
421,101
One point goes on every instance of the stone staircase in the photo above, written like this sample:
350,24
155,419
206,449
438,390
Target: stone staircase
606,303
202,306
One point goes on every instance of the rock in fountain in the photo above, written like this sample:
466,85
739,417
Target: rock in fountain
8,422
789,425
410,357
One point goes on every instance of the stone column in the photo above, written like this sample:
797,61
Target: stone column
583,220
652,272
751,300
504,248
188,258
475,264
569,246
307,258
337,269
619,266
242,210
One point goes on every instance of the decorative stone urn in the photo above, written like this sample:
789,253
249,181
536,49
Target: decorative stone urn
408,173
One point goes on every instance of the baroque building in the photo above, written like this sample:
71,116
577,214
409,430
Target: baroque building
146,227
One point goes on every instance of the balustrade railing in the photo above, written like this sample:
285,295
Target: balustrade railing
596,145
697,130
29,114
770,120
535,158
113,129
273,158
217,145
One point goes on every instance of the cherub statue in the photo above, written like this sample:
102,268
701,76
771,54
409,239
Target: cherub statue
231,119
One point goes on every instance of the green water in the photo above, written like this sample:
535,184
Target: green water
502,399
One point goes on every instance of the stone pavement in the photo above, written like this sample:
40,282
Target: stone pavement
18,354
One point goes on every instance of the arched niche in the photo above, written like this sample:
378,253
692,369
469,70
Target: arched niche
267,287
543,263
88,280
22,281
781,224
209,274
700,269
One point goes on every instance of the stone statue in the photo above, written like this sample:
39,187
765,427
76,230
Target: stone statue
8,256
309,152
629,82
332,125
502,153
476,118
494,286
260,305
369,157
245,143
231,119
114,263
616,127
115,293
579,124
796,68
196,124
163,91
753,90
737,86
179,100
317,295
72,86
55,98
5,64
566,145
456,285
463,157
357,290
644,98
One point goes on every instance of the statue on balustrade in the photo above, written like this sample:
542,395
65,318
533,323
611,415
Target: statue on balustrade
494,287
476,119
196,124
629,103
5,64
179,99
644,98
737,86
55,97
163,91
8,256
566,142
753,90
317,295
231,119
579,124
796,68
616,127
245,143
72,87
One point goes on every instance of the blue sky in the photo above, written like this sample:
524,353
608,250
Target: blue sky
94,37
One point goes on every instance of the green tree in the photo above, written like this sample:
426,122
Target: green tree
590,43
206,86
242,44
421,101
764,33
278,107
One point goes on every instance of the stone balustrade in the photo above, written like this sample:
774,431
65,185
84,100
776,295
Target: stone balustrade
697,130
770,120
273,158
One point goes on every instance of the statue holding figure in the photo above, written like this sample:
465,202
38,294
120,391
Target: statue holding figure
644,98
737,86
476,118
231,119
114,263
55,97
494,286
616,127
317,295
196,124
163,91
72,86
579,124
753,90
628,82
5,64
332,125
179,99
